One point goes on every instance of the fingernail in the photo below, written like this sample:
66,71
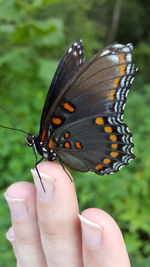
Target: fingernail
46,193
10,235
18,207
91,232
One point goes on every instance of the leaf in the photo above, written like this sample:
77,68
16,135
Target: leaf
9,11
47,69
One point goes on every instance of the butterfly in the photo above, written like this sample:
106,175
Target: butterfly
82,119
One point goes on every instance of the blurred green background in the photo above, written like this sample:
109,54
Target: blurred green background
33,37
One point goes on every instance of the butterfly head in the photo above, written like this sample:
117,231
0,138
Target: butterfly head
30,140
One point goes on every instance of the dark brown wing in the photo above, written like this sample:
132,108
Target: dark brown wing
70,63
86,119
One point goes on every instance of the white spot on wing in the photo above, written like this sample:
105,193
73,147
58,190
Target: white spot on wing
123,107
75,53
127,92
133,69
122,83
118,46
114,58
70,50
131,81
122,117
126,49
130,45
129,57
120,167
128,70
130,160
106,52
111,172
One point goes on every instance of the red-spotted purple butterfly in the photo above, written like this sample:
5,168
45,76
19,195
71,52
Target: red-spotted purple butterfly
82,119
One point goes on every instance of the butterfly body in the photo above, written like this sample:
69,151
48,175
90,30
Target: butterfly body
40,147
82,120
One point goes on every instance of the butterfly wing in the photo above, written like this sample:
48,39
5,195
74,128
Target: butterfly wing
96,145
70,63
86,120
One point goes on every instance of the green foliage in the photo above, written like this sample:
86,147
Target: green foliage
34,35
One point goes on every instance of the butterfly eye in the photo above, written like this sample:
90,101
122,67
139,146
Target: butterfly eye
30,140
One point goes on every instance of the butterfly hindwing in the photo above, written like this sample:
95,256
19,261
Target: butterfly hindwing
97,145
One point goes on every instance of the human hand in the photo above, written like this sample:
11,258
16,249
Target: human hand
47,232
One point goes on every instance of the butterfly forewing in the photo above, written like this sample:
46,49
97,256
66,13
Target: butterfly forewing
103,87
70,63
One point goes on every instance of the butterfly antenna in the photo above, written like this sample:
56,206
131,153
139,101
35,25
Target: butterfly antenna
65,169
14,129
8,112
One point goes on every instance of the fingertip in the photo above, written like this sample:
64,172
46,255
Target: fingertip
101,217
54,169
20,190
110,227
105,236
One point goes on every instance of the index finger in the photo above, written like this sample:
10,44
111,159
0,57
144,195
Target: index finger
57,210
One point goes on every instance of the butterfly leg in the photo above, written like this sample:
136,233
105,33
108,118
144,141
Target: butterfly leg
37,162
65,169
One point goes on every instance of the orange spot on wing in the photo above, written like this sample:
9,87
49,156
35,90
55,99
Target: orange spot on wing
99,120
111,94
122,57
51,143
66,134
114,146
43,135
116,82
67,145
56,121
114,154
99,167
108,129
78,145
122,70
68,107
107,161
113,138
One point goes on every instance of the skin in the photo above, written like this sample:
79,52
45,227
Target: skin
47,231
